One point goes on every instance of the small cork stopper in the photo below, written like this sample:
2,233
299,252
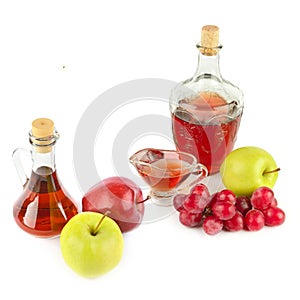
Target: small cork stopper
209,39
42,128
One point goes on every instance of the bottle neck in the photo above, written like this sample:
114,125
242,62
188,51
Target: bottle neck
208,66
43,153
43,160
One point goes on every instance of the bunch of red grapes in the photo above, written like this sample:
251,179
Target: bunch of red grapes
225,211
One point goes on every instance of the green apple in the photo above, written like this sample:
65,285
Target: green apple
247,168
91,244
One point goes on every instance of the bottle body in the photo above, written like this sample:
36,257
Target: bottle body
208,137
44,206
206,111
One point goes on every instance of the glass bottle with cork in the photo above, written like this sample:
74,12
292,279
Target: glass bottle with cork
206,109
44,206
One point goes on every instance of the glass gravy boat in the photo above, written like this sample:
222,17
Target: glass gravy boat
167,172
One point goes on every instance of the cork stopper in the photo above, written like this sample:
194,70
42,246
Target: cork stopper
42,128
42,134
209,40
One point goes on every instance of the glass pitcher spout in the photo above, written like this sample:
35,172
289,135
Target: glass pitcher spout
145,157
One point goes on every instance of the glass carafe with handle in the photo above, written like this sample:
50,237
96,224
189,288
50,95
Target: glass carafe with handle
44,206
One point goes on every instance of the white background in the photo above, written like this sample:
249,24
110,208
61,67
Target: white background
56,57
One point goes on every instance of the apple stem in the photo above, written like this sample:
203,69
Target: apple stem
95,231
146,199
273,171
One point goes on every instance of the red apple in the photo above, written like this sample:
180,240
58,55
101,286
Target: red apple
120,197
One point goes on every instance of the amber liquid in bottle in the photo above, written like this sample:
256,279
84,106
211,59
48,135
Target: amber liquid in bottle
44,207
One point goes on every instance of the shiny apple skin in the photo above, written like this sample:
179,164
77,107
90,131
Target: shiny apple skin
247,168
120,197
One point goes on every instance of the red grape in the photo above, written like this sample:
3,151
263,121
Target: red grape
198,199
193,204
274,216
212,200
212,225
274,203
226,195
262,198
189,219
178,201
254,220
236,223
243,204
224,210
201,189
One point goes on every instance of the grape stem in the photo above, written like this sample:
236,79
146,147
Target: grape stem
273,171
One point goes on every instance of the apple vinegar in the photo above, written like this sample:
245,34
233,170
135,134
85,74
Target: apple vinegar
44,207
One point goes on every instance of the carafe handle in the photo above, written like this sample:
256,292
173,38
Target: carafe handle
17,159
